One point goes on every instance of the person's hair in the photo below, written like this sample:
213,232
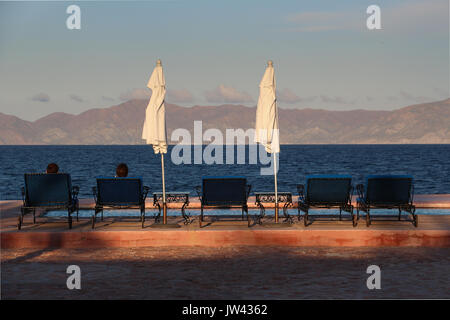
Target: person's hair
122,170
52,168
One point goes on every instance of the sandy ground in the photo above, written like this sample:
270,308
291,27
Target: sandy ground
225,273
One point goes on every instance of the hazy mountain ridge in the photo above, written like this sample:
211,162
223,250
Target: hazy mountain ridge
122,124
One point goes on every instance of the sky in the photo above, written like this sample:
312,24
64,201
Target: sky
215,52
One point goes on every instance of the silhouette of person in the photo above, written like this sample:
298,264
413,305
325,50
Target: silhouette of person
52,168
122,170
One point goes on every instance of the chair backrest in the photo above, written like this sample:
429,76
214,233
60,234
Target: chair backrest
47,189
388,189
224,191
328,189
119,191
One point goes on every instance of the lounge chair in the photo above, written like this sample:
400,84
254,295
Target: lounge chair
48,191
224,193
326,191
387,192
119,193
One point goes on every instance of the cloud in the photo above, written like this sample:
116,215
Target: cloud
179,96
141,93
227,94
430,15
408,97
443,93
76,98
287,96
414,98
335,100
109,99
41,97
391,98
316,21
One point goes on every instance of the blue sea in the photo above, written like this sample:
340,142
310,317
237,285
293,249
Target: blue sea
429,164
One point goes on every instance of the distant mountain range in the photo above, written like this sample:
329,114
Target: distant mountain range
122,124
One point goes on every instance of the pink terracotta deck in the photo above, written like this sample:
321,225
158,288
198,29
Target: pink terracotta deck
433,231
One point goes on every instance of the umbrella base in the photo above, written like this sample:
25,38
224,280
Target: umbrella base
165,226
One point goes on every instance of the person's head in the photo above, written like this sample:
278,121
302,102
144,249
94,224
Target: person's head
52,168
122,170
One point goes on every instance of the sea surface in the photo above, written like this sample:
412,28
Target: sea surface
429,164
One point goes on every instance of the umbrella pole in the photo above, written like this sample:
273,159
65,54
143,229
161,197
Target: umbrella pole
276,189
164,191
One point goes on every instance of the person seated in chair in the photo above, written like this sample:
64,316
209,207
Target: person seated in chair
52,168
122,170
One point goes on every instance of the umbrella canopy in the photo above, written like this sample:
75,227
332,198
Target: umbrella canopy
266,126
154,131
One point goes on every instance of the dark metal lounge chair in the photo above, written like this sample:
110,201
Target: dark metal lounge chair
326,191
119,193
224,193
387,192
48,191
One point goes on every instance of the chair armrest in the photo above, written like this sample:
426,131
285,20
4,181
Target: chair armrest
94,192
301,192
198,189
75,191
249,188
360,190
145,192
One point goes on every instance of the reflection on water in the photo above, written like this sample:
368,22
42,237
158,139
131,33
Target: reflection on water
236,212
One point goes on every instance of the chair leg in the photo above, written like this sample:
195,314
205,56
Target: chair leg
415,217
187,219
340,214
78,209
94,216
354,217
19,223
69,218
399,214
200,219
368,222
102,216
34,216
143,217
305,218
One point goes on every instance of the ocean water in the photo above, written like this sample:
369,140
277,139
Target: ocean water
429,164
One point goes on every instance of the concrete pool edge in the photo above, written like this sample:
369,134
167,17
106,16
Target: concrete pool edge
227,237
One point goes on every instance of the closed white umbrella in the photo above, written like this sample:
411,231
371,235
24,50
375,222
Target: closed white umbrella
266,126
154,131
